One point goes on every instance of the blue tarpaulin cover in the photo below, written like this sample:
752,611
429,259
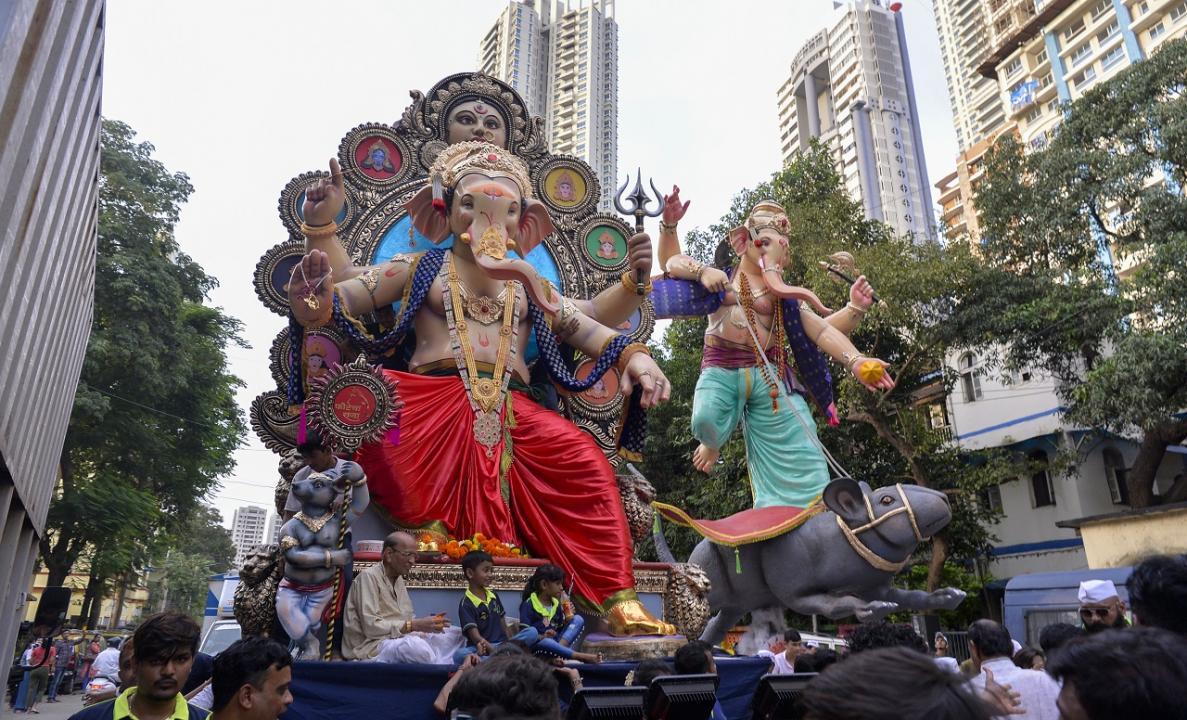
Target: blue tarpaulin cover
380,691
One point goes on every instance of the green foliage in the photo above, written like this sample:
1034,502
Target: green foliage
1112,177
883,438
973,608
155,420
200,548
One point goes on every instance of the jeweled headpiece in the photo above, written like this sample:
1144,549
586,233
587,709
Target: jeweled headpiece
466,158
768,214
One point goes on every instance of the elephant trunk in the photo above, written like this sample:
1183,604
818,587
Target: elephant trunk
490,252
774,282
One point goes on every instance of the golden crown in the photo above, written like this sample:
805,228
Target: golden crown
471,157
768,214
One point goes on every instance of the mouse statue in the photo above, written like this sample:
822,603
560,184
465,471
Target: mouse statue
837,563
311,543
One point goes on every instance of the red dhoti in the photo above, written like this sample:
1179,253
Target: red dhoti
564,501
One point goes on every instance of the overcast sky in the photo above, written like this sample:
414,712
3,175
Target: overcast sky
242,96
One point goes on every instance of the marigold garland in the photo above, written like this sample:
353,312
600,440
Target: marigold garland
457,549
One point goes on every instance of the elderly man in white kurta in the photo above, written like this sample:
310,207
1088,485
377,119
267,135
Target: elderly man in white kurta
379,619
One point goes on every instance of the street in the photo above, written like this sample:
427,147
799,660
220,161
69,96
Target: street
69,705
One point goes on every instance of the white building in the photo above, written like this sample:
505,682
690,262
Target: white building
963,27
562,57
247,530
850,86
1022,413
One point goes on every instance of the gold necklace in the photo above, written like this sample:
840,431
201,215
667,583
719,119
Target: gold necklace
315,524
746,300
482,308
485,394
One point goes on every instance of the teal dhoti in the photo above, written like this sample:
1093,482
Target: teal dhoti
783,455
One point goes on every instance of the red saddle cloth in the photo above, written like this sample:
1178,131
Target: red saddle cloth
748,526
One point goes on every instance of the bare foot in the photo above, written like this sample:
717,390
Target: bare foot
704,458
588,657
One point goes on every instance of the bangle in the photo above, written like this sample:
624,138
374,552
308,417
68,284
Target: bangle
630,351
317,232
361,481
407,627
701,268
631,284
667,226
855,308
850,359
329,558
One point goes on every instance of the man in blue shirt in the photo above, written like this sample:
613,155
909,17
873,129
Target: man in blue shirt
163,649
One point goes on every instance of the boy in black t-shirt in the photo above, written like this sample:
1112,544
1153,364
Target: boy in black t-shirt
480,612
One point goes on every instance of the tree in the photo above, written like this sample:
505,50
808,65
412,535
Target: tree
883,438
1111,178
155,420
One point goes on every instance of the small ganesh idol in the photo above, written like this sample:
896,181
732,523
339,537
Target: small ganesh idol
764,358
313,547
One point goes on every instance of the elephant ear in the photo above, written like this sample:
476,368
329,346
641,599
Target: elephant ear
739,239
844,497
428,220
535,224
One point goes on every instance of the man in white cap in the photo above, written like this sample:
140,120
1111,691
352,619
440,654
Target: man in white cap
1100,607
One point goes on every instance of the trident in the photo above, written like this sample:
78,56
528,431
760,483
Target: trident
638,207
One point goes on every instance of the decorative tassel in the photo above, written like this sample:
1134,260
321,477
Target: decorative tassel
737,562
302,427
438,195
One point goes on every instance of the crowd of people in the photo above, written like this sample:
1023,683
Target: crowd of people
48,662
1102,669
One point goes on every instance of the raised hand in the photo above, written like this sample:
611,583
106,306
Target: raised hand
639,249
324,198
884,381
861,293
311,289
642,371
673,209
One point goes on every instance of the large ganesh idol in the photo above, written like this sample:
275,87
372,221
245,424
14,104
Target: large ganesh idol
764,357
476,451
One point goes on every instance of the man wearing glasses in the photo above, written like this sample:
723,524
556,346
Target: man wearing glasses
380,623
1100,607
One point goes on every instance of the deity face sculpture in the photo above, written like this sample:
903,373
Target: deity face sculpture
476,120
490,209
763,241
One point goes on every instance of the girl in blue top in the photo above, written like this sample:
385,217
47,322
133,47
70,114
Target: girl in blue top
541,609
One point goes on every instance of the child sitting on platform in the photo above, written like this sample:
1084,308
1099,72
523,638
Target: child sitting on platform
480,612
541,610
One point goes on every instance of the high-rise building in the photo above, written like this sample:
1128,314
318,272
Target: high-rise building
562,57
850,87
247,530
965,42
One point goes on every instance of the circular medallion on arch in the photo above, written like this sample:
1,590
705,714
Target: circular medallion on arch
603,396
273,272
374,155
603,242
324,347
566,185
292,201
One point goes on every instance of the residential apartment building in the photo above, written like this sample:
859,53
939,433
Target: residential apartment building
562,57
272,536
247,530
1076,472
1044,54
850,87
965,41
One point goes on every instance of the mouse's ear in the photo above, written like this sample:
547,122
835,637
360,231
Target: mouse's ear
844,496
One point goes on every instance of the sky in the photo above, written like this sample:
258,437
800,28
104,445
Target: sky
243,96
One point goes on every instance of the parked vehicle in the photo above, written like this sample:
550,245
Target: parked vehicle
1034,601
219,636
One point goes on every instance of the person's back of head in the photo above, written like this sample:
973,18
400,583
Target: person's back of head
1139,672
815,661
990,639
895,683
695,658
871,636
1158,592
1056,635
252,673
648,670
517,685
